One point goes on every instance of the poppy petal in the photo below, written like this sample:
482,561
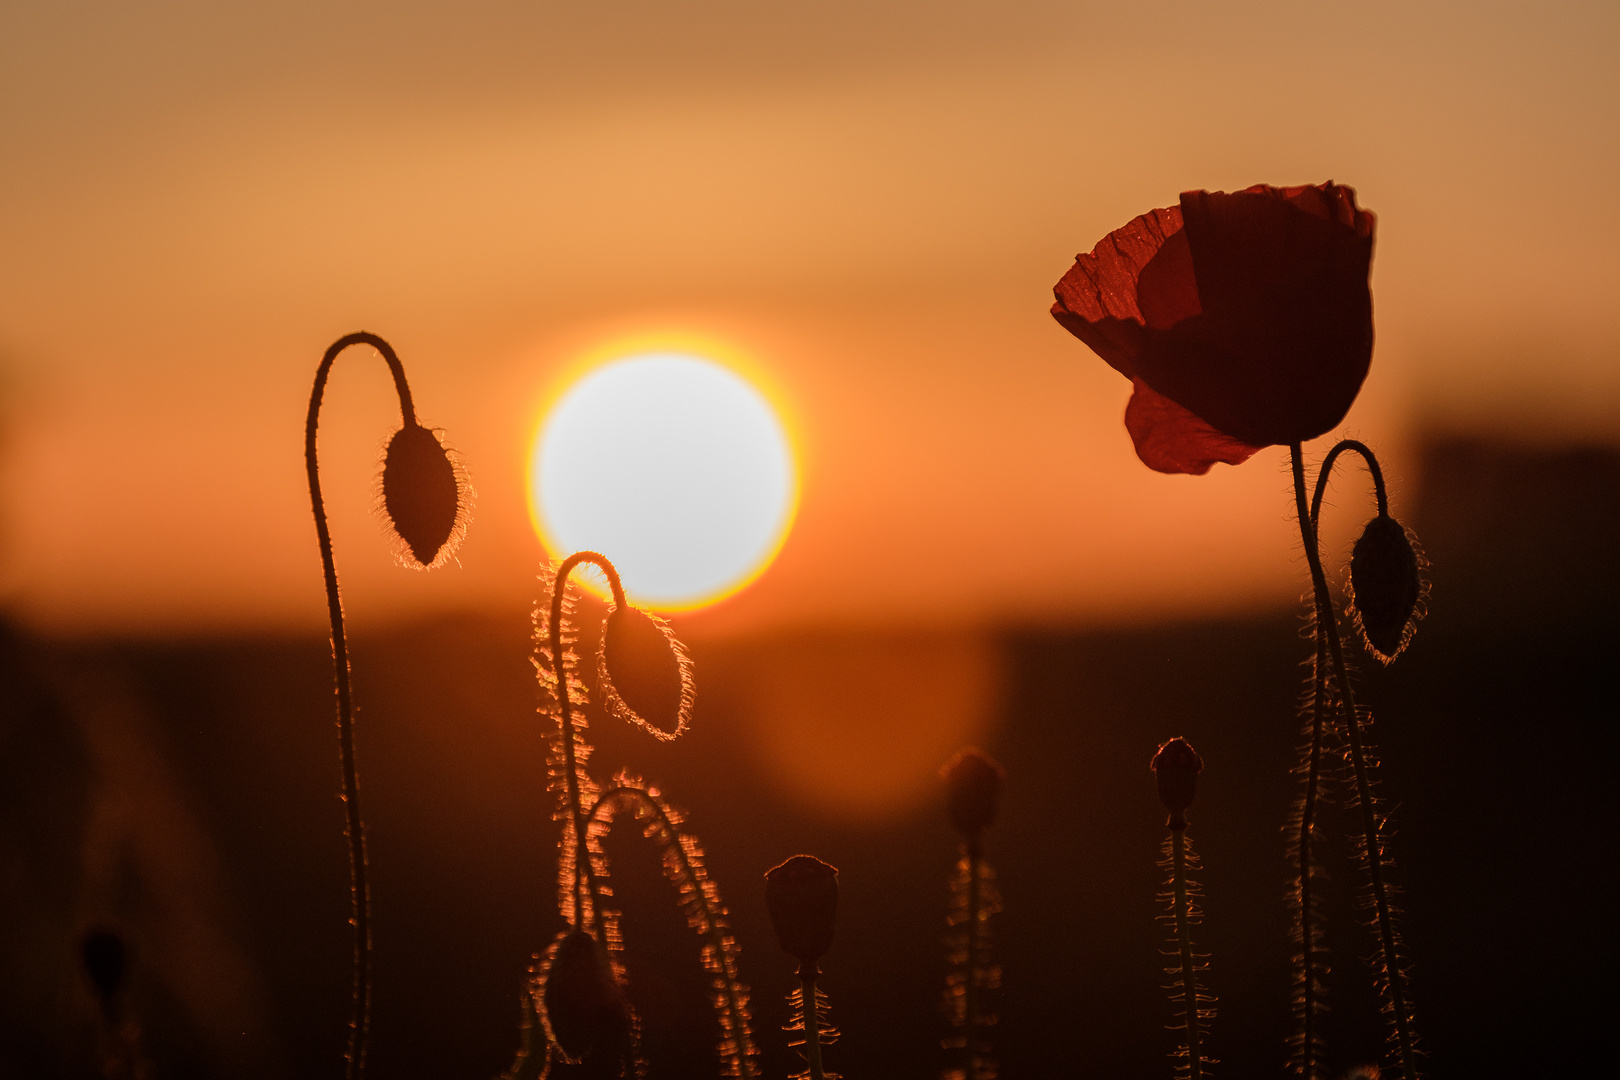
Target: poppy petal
1171,439
1284,340
1097,300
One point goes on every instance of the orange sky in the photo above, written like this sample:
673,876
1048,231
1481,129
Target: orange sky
871,199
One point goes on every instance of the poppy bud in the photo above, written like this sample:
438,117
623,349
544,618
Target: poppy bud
972,786
106,963
1177,766
645,671
586,1011
802,895
1385,586
421,493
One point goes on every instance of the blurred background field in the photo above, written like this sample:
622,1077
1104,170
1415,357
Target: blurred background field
871,202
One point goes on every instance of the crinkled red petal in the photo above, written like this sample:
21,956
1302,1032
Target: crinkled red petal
1171,439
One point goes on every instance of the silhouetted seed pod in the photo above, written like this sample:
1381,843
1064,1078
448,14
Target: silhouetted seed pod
802,895
106,963
421,493
1385,586
646,675
585,1008
972,787
1177,766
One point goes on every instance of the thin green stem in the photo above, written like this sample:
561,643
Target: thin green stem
725,955
585,872
1189,976
1327,626
354,826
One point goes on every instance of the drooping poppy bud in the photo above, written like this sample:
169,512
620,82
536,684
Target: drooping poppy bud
585,1008
646,675
422,494
106,963
802,895
1386,583
972,787
1177,766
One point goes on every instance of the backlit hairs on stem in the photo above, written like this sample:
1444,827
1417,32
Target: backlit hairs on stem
646,679
1388,956
424,497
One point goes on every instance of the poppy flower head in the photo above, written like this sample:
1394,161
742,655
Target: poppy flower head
972,789
424,496
585,1009
1386,587
646,675
1176,766
1242,319
802,897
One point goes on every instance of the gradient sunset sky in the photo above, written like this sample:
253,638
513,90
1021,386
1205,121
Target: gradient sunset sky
871,199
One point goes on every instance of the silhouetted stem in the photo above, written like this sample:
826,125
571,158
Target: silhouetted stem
354,827
585,876
970,998
1189,980
812,1022
1327,626
716,934
1326,470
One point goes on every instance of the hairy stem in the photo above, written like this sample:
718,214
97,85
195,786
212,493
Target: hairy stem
725,954
1327,626
970,1002
1326,471
811,1014
585,881
1189,976
354,826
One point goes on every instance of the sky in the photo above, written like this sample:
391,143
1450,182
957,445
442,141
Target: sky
870,201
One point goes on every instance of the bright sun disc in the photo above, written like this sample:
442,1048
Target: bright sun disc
672,466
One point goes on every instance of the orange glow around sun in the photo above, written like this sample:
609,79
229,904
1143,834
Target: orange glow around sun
671,463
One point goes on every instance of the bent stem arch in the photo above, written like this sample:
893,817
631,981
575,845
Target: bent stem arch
1327,630
683,864
354,826
584,883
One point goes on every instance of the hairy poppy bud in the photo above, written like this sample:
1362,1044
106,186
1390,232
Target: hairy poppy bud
586,1011
1385,586
972,786
645,672
106,963
421,493
802,895
1177,766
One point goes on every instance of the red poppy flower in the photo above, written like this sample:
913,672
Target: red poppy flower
1243,320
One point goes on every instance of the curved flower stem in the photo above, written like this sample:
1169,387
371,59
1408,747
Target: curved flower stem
724,952
970,1002
1327,626
354,826
1189,980
585,882
1326,470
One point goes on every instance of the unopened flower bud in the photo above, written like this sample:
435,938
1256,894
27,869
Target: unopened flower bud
1385,586
802,895
421,493
1177,766
972,787
645,671
585,1009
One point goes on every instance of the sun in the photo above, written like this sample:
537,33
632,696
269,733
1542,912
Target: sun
673,466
